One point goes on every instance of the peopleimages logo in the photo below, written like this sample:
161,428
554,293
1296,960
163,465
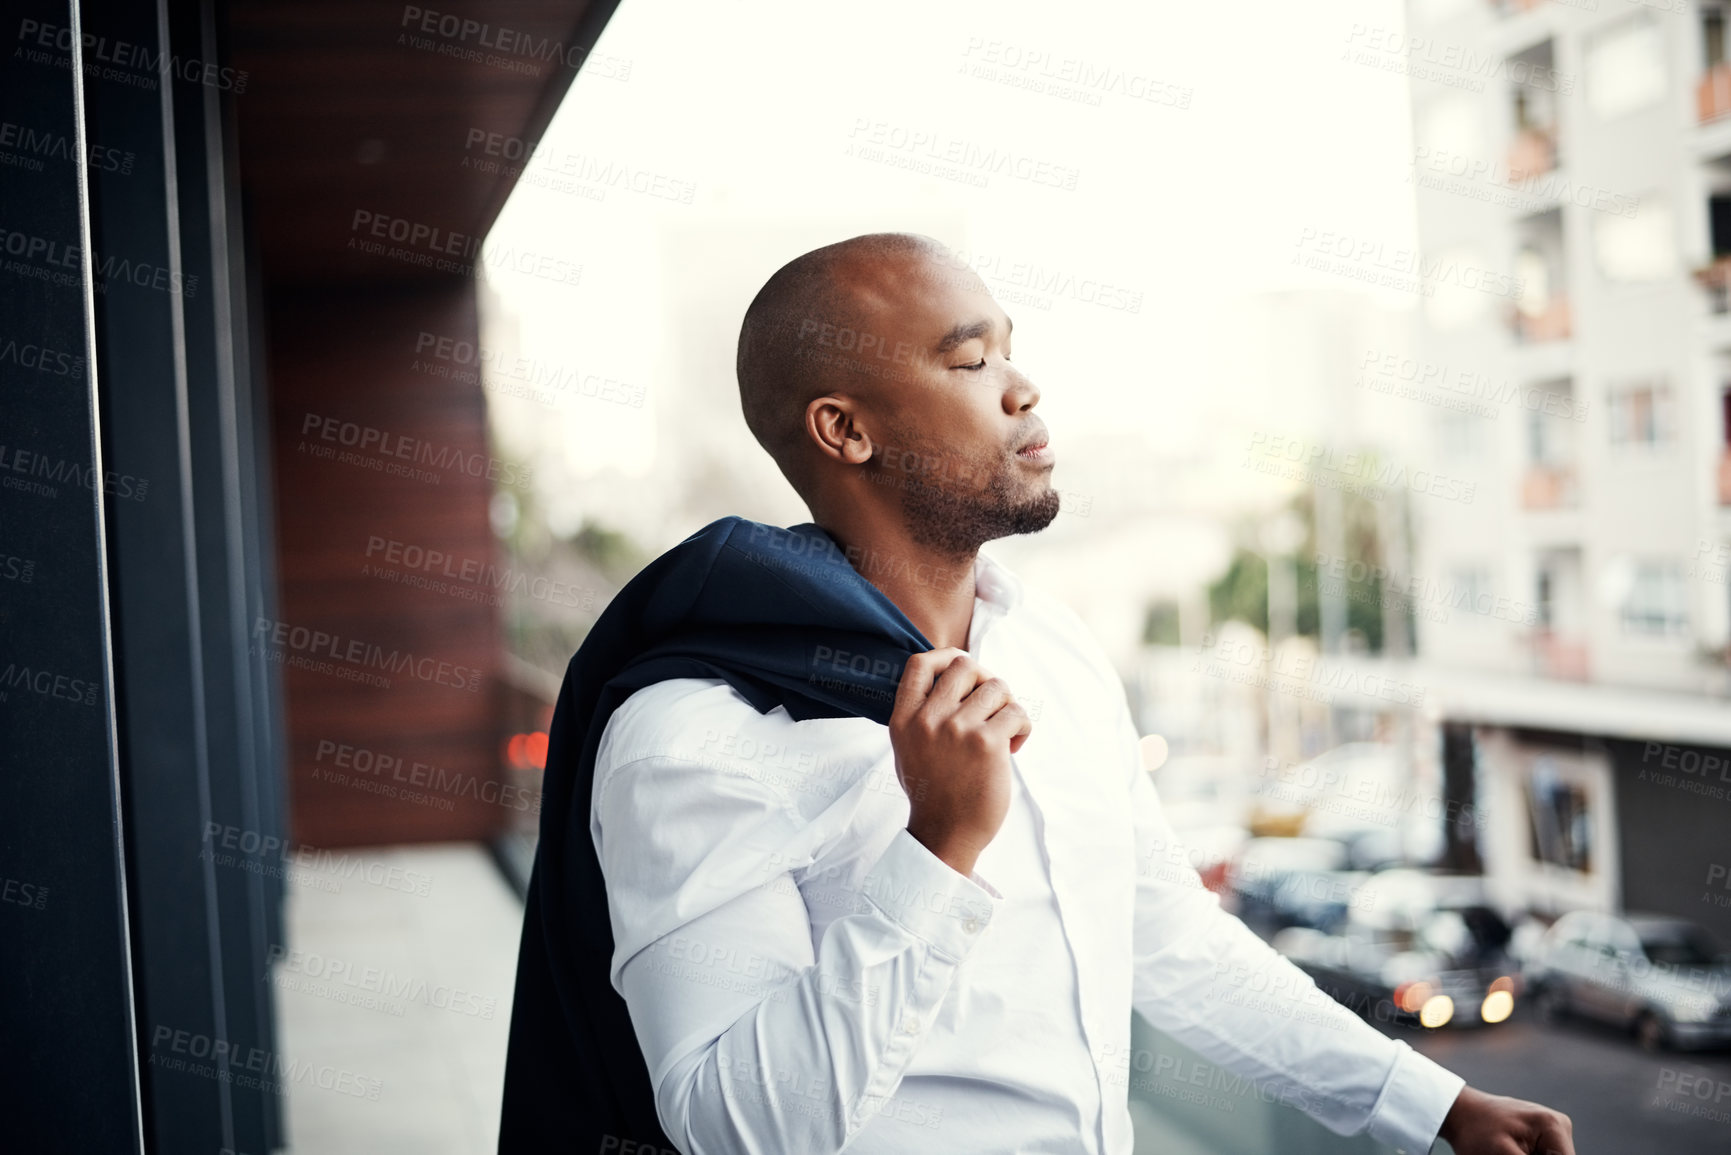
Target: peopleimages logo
28,147
47,684
935,152
120,60
195,1053
1368,259
1455,65
272,856
566,171
366,439
1386,371
341,973
1352,471
451,35
503,369
33,471
42,359
358,765
356,658
44,258
1416,591
468,578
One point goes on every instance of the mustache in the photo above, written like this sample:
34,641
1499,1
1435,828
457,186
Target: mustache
1035,433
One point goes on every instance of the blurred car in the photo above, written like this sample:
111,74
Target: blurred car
1274,883
1414,948
1372,849
1662,978
1211,850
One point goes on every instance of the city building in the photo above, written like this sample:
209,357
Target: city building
1572,168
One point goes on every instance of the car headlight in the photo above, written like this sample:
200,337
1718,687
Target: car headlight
1694,1008
1437,1011
1498,1005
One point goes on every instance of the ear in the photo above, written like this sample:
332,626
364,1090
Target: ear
831,423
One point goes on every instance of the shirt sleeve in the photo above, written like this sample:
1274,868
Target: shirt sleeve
756,1037
1205,978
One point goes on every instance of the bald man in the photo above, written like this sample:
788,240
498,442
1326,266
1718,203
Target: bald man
928,936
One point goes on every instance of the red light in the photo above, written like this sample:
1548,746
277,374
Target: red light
1214,877
1411,997
535,749
514,751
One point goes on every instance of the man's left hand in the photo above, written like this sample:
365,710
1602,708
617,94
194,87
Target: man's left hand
1481,1124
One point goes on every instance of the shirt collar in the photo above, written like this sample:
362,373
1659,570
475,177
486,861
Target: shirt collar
996,592
995,585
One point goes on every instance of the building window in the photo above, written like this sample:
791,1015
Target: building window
1562,818
1551,428
1470,590
1626,67
1534,273
1657,601
1460,436
1713,89
1535,89
1453,306
1533,147
1642,247
1641,414
1449,128
1719,223
1542,311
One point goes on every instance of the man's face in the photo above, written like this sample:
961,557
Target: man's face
951,419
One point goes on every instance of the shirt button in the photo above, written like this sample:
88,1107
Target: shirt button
971,924
910,1026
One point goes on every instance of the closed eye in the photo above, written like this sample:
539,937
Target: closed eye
980,364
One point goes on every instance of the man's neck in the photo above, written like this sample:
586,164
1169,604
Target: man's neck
935,591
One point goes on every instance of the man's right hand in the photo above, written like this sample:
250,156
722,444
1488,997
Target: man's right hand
953,729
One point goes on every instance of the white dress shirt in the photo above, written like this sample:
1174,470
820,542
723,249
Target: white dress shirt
805,977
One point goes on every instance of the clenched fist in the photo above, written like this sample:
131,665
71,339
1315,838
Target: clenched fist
953,729
1481,1124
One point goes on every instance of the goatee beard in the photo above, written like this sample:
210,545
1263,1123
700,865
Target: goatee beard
954,519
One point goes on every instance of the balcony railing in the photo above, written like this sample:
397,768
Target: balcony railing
1716,279
1549,487
1713,93
1533,152
1553,323
1559,656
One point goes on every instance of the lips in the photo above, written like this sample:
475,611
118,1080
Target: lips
1036,451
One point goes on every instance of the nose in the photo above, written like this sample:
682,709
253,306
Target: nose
1022,395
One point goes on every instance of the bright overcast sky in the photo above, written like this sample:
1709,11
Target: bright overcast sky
755,106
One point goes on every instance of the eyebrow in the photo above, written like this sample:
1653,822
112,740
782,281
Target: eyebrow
968,332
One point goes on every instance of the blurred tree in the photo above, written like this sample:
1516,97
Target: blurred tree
1160,628
611,551
1241,593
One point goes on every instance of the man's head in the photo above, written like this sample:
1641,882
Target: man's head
876,372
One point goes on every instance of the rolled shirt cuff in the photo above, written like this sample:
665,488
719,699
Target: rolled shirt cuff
929,898
1414,1102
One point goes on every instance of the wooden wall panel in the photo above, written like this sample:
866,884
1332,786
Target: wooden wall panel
352,416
